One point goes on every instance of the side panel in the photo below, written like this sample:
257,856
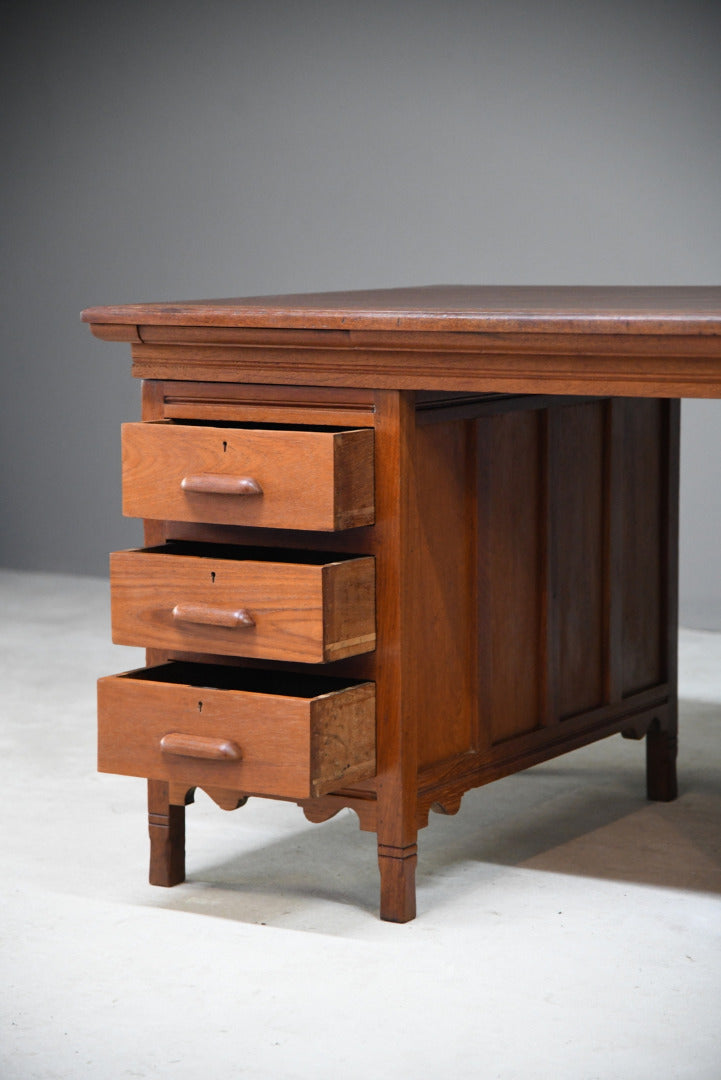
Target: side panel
443,587
511,548
642,510
574,590
576,466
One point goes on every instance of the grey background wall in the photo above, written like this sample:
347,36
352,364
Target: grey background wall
173,150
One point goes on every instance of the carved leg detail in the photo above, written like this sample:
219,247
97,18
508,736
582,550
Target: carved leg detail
661,749
166,827
398,882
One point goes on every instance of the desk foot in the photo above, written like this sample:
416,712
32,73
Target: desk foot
661,750
398,882
166,827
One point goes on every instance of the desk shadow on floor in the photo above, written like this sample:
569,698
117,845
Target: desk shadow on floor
584,814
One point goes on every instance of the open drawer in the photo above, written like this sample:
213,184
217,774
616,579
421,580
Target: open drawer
266,477
256,732
277,604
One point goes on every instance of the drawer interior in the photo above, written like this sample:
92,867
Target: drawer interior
245,553
247,680
253,425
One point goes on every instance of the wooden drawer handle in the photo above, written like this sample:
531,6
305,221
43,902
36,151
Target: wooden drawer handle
210,616
200,746
217,484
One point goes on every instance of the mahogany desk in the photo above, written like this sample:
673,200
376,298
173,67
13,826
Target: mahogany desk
400,543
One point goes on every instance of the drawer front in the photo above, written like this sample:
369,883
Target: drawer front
319,480
158,723
250,607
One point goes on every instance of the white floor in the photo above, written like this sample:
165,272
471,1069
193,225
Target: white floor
566,929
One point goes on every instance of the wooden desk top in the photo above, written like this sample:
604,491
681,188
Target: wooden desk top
657,341
466,308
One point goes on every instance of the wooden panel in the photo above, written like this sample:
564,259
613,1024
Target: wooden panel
342,738
443,595
245,605
115,332
510,364
353,477
313,405
669,559
295,744
396,659
613,555
436,407
309,479
349,610
625,341
577,447
510,549
620,309
442,785
643,541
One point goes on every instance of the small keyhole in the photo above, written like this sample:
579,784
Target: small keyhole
200,706
225,447
212,576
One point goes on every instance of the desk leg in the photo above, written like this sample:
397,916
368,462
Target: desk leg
661,749
399,628
166,827
398,882
662,737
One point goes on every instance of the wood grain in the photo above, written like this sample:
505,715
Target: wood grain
531,363
627,341
396,657
641,494
510,539
309,479
577,523
249,606
489,308
204,747
311,405
166,830
293,747
481,451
